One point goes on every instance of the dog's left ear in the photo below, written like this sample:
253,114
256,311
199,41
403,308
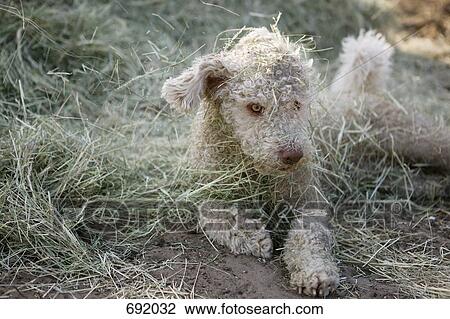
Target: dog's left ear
202,79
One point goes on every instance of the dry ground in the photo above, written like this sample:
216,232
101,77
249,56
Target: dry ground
405,257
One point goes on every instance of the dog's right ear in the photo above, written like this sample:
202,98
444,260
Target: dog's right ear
200,80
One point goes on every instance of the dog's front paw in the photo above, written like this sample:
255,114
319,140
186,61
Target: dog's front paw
257,243
261,244
315,283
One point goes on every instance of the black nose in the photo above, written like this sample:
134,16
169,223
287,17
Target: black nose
290,156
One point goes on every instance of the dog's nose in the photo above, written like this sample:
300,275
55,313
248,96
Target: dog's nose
290,156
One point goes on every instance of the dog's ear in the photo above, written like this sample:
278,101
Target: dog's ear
200,80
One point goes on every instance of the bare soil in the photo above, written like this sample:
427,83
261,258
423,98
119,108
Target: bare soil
219,274
190,262
423,28
429,19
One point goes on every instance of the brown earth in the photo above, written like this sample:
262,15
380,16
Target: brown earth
423,28
189,262
220,274
429,19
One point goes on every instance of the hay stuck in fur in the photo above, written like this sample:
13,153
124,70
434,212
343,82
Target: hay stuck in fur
82,121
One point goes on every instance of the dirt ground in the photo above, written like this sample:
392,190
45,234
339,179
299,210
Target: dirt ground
430,19
219,274
190,263
423,28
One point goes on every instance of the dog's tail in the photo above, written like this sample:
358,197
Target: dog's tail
365,64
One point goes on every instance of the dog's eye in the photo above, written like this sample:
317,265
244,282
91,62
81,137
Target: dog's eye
297,105
255,108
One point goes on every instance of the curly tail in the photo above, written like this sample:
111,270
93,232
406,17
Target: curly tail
365,64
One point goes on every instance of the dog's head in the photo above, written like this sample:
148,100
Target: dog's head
262,89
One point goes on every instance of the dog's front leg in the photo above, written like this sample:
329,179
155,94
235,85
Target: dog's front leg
308,248
309,259
228,226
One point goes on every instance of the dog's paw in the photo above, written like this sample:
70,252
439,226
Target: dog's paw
261,244
318,283
257,243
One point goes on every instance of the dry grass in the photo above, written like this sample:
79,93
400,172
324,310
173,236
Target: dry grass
82,122
391,220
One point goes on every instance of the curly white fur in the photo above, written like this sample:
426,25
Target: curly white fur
362,76
264,69
365,64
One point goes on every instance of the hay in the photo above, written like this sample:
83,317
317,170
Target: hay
82,122
383,211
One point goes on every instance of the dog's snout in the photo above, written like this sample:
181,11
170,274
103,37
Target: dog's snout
291,156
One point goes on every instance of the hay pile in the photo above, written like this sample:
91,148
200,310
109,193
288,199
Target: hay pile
81,122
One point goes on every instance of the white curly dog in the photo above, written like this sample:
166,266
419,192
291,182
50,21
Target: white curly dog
256,101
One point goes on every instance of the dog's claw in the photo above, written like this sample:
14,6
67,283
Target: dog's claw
315,284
